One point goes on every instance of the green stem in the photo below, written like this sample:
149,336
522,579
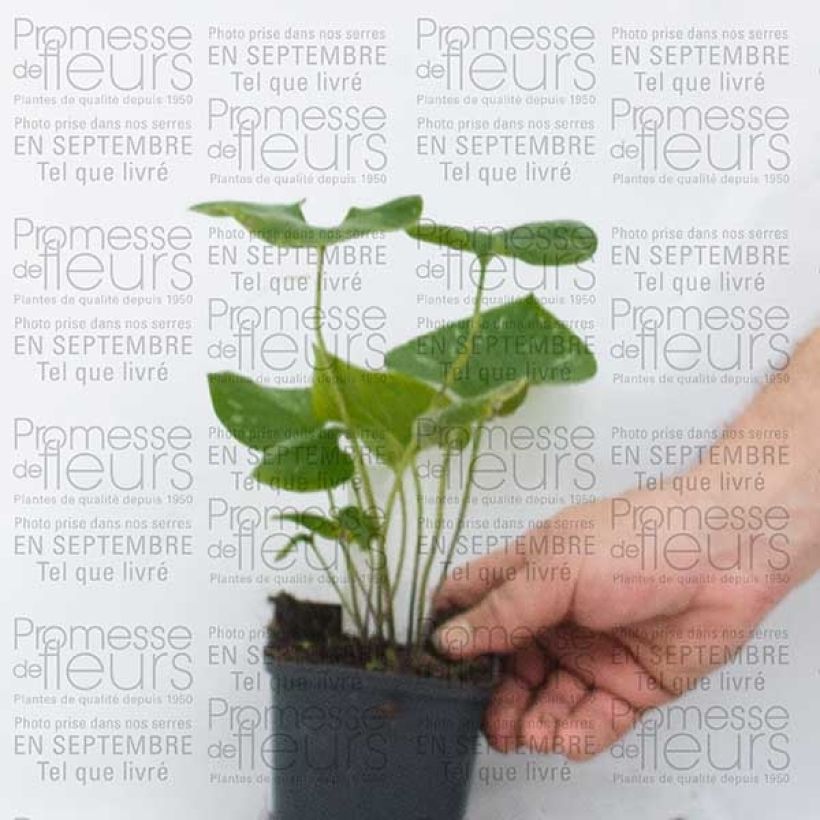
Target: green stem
397,489
454,371
352,574
419,543
367,594
386,606
377,591
428,566
465,503
369,597
385,591
403,548
358,457
410,453
344,602
353,577
323,355
452,374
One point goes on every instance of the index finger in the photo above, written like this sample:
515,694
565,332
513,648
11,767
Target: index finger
469,583
508,617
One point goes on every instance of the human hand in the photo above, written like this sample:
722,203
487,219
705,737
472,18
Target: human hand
605,611
616,607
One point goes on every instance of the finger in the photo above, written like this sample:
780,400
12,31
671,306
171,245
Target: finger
604,662
593,725
551,704
663,646
472,581
530,666
508,617
524,673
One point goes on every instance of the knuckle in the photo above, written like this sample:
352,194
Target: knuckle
501,607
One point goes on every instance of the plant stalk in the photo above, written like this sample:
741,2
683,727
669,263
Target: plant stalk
337,589
454,371
439,523
419,543
383,591
352,572
403,547
465,503
385,588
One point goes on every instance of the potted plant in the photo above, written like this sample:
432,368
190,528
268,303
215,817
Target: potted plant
369,722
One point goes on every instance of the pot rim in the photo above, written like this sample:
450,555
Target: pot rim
390,681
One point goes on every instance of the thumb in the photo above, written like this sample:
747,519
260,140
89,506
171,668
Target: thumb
511,615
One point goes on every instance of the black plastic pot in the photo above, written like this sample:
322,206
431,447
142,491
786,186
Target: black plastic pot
349,744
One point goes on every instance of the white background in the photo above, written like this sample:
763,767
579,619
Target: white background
190,598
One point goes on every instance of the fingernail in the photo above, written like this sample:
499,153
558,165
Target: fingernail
452,637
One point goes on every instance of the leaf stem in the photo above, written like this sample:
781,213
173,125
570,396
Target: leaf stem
358,457
414,468
352,572
367,594
353,577
458,364
371,581
439,523
453,372
403,548
380,584
417,599
465,502
342,599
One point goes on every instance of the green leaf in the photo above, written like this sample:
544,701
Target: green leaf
260,417
519,340
547,243
478,241
349,524
293,542
563,242
306,463
382,405
452,426
318,524
358,526
299,454
285,225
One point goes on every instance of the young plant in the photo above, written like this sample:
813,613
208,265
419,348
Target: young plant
438,390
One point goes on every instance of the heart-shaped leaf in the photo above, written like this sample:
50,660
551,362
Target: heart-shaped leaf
358,526
260,417
478,241
563,242
299,453
306,463
382,406
452,426
349,524
286,226
318,524
293,542
519,340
